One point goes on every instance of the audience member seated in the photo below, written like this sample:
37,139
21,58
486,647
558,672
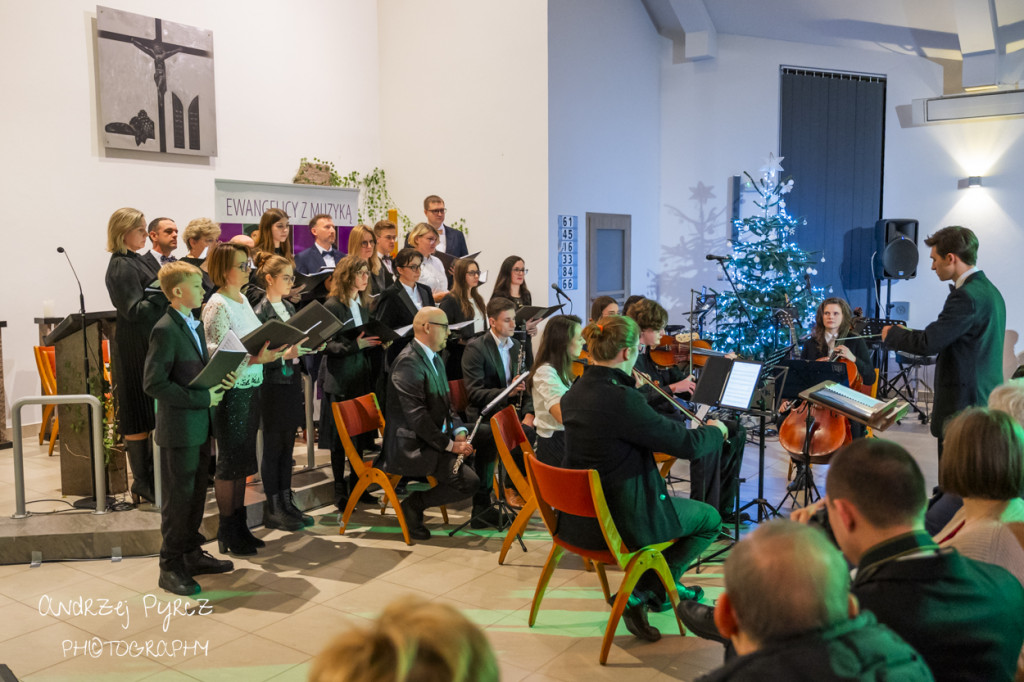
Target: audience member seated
422,434
983,462
1009,398
788,611
413,640
965,617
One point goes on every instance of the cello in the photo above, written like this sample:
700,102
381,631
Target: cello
829,429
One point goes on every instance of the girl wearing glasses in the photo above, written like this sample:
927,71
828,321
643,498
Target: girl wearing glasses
346,369
511,284
281,402
463,303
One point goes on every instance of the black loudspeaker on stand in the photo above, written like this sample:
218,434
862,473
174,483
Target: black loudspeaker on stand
897,248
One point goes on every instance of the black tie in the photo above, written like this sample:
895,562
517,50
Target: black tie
952,288
164,260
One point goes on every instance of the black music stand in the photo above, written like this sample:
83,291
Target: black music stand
736,385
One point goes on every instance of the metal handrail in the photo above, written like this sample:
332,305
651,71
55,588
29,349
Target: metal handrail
95,411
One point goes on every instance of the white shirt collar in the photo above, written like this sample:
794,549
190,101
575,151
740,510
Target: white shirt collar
963,278
426,349
502,344
414,294
192,322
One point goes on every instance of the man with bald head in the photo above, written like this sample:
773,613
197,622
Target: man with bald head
788,611
422,434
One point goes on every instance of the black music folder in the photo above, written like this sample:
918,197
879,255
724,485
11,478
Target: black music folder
728,383
316,322
276,332
529,313
228,357
374,327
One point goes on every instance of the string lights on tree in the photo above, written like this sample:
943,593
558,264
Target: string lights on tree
770,272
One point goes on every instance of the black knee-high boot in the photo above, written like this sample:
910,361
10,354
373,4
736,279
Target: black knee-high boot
140,458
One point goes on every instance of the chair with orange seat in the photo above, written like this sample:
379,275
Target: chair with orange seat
508,435
460,398
354,418
46,365
579,492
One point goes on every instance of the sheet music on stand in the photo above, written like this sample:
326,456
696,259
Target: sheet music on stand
852,404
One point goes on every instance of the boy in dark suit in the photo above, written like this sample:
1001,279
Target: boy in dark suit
177,354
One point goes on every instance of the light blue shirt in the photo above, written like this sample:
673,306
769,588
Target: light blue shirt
192,324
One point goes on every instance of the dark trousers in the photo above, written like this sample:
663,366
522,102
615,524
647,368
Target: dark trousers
451,486
276,467
551,451
184,473
715,478
486,457
701,524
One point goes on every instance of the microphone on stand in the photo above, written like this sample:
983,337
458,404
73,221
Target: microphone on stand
558,290
720,259
81,294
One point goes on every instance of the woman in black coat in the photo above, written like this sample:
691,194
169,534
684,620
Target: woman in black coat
395,308
346,368
138,310
462,303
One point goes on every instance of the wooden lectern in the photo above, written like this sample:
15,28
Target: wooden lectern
76,465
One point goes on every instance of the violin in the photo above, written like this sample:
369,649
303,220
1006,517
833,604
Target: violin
637,374
677,350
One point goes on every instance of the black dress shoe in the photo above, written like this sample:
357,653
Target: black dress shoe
730,517
700,620
178,582
200,562
693,593
414,520
635,618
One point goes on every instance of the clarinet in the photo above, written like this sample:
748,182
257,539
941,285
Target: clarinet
520,362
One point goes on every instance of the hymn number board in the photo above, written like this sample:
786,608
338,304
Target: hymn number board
568,252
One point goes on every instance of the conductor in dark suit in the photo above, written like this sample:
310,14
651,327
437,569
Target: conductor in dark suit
323,253
610,427
967,336
177,354
422,434
450,241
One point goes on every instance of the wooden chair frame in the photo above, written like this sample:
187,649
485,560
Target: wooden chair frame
580,493
508,433
365,415
46,365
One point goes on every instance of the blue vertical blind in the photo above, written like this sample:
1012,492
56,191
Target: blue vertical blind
832,128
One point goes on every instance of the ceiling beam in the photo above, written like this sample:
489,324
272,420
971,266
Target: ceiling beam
688,25
976,29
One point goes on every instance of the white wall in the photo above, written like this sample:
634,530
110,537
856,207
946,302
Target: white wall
293,79
604,126
721,117
463,114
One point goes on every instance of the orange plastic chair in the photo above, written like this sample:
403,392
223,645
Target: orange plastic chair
508,434
460,398
46,365
354,418
579,492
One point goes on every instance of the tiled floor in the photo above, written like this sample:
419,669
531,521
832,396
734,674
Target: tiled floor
269,617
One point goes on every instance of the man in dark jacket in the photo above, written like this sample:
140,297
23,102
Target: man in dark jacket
788,612
968,336
422,434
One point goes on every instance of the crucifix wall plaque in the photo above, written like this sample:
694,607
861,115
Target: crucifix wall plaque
156,84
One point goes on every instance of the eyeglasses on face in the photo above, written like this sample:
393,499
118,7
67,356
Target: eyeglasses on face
288,278
473,273
362,273
439,324
437,211
521,271
411,267
369,243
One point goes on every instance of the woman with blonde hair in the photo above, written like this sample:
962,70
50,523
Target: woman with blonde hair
138,310
200,237
346,368
424,239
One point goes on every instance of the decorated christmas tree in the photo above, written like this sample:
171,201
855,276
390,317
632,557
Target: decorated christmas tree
771,273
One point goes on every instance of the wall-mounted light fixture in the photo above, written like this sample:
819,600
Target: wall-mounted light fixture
969,183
